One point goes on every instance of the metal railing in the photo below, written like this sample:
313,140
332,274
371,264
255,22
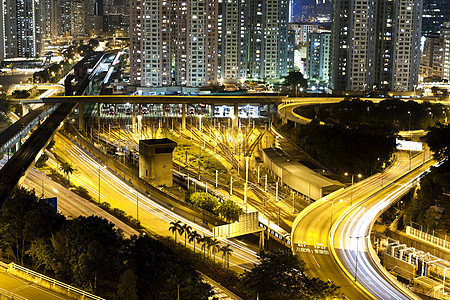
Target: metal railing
442,243
63,285
27,129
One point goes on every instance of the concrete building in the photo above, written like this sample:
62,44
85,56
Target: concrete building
297,176
318,58
173,43
445,38
155,161
375,45
20,29
233,40
269,55
77,19
435,13
432,58
301,31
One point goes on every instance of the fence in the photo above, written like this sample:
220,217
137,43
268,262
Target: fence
54,282
443,243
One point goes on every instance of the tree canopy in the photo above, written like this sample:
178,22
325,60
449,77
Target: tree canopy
296,79
438,138
281,275
91,254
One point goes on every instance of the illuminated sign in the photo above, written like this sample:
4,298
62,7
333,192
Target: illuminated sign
408,145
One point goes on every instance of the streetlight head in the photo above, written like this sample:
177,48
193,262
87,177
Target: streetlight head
359,175
346,174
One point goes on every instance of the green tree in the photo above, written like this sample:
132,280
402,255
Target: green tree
438,138
66,168
213,246
205,241
281,275
5,108
41,161
92,261
20,94
186,229
175,228
296,79
205,201
23,219
193,237
226,252
127,290
229,210
41,253
93,43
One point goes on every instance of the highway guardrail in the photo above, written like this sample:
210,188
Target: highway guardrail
83,294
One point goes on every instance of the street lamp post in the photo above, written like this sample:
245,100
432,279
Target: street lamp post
276,191
265,184
139,117
137,205
217,175
231,186
246,183
410,137
351,190
357,252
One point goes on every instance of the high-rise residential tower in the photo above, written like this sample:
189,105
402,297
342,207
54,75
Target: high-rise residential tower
173,42
269,54
233,39
77,18
435,13
445,38
20,34
318,57
375,44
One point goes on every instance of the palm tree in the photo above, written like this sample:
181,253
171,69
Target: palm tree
66,168
213,245
205,240
194,236
175,227
226,252
187,230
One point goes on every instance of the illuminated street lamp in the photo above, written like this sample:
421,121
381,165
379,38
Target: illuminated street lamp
351,190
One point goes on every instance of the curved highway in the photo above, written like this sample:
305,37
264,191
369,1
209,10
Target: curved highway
332,234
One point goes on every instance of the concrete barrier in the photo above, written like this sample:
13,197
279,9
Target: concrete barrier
49,283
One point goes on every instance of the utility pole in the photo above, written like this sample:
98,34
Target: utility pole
246,183
217,176
265,185
276,192
231,185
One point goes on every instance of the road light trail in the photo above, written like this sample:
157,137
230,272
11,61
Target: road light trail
117,190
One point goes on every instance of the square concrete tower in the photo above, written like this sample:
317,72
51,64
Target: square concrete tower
155,161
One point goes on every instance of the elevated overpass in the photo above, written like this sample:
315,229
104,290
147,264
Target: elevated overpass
333,234
16,169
